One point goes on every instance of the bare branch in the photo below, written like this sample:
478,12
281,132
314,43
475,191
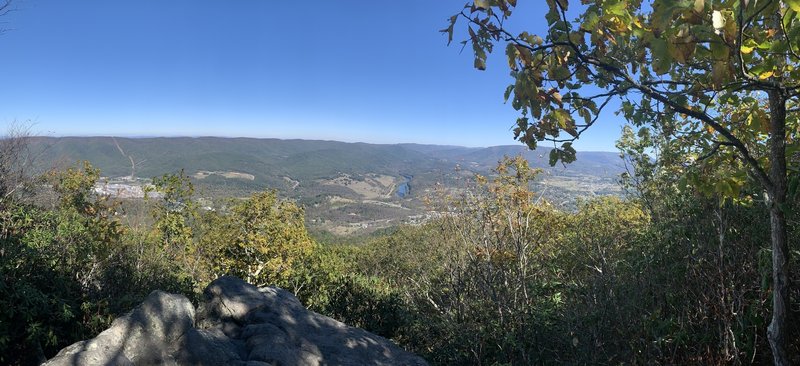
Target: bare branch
15,160
586,126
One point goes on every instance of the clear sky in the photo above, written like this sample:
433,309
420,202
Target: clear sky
347,70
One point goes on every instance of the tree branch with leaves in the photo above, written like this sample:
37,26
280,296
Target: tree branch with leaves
721,77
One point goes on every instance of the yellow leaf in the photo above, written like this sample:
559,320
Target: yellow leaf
766,75
746,50
699,5
557,97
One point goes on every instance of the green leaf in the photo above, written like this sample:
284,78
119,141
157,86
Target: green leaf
565,154
553,157
664,10
719,51
662,61
535,40
754,121
560,73
552,17
449,29
789,17
511,54
618,8
590,20
482,4
568,153
563,118
507,93
793,4
586,115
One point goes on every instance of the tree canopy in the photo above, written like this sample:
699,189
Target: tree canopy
690,66
720,79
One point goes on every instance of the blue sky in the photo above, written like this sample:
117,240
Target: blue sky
370,71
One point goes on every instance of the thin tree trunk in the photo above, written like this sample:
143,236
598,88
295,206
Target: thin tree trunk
776,333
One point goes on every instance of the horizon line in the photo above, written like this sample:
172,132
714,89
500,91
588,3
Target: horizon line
520,145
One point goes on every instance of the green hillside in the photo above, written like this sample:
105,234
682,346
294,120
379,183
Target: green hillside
346,188
303,159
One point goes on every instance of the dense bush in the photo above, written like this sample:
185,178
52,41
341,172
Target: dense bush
66,272
70,264
260,239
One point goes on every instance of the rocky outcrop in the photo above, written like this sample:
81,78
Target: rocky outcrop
236,324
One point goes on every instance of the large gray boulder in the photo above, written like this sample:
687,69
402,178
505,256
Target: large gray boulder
236,324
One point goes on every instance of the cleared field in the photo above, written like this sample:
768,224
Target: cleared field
371,186
202,174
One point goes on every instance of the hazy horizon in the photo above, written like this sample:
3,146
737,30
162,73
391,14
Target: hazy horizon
512,144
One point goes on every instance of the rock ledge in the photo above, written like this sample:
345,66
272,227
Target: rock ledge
236,324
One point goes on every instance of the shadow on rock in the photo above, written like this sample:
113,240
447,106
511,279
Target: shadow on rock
236,324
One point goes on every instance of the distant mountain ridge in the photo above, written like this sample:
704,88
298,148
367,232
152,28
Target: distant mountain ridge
345,187
304,158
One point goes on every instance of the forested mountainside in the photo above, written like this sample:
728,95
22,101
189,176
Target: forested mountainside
346,188
269,159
